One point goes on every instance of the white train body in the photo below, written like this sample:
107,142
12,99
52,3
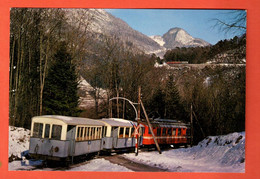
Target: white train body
62,138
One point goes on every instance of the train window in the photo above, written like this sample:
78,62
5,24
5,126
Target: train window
37,130
179,131
90,132
132,131
47,131
56,132
93,132
173,132
85,134
97,133
104,131
149,131
127,132
169,131
164,131
158,131
79,133
121,132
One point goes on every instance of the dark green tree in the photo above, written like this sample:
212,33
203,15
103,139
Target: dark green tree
60,93
173,106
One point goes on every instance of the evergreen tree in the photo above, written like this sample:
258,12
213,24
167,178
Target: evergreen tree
173,108
60,93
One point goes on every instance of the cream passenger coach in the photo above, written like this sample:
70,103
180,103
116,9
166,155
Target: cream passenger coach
63,138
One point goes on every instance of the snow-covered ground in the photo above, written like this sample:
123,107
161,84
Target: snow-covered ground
18,142
213,154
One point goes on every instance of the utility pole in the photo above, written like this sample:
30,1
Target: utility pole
151,129
191,126
138,121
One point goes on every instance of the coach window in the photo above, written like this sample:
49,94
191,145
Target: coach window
90,133
93,133
98,133
37,130
169,131
56,132
164,132
85,134
132,131
121,132
47,131
158,131
104,131
127,132
174,132
179,131
79,133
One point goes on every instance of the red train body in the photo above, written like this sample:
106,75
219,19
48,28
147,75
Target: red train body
167,132
177,62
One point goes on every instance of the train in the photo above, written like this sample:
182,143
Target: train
167,132
176,62
62,138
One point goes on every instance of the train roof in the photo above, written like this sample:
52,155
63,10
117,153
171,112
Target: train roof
118,122
158,122
71,120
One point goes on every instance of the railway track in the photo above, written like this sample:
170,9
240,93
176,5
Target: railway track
134,166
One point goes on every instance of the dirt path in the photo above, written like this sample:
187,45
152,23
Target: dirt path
137,167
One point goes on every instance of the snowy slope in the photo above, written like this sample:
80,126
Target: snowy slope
213,154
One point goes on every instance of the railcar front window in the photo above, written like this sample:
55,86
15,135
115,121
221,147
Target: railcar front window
37,130
56,132
47,131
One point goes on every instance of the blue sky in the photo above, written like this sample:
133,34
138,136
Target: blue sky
198,23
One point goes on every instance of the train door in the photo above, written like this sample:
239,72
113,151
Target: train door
114,135
71,133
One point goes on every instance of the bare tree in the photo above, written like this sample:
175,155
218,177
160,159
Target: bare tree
235,23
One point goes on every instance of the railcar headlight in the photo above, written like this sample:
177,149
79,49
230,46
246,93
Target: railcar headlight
56,149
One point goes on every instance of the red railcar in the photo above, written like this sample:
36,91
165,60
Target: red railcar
177,62
167,132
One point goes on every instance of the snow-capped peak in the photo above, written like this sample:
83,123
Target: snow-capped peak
178,37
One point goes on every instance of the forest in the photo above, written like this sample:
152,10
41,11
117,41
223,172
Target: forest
196,55
51,48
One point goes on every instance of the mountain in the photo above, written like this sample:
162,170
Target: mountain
105,23
177,37
102,22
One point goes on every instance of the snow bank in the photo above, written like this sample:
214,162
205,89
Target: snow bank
213,154
18,142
